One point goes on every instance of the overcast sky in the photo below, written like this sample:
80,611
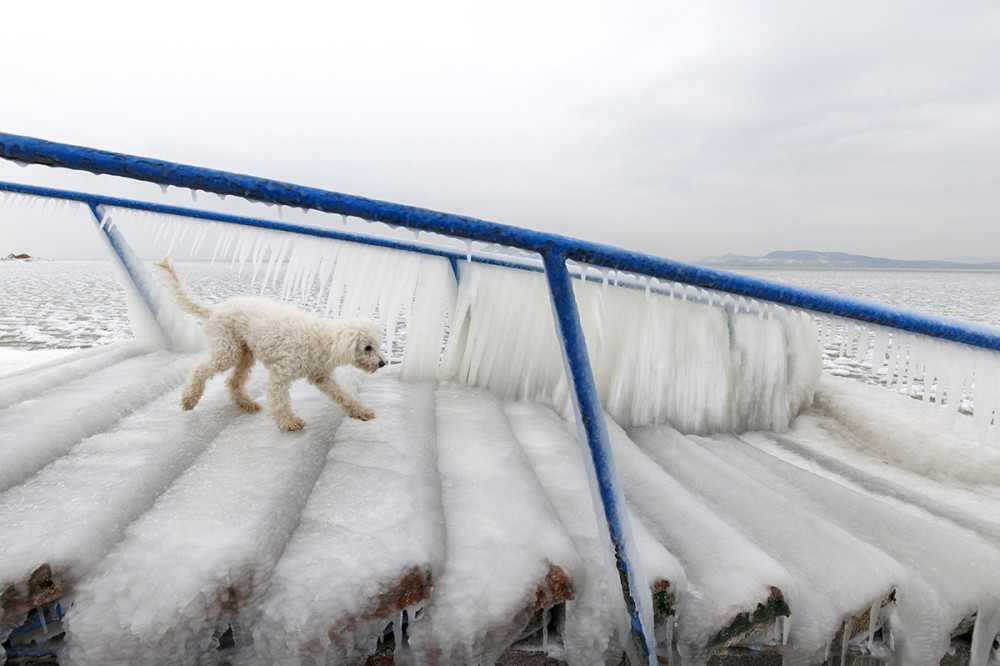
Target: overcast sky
680,129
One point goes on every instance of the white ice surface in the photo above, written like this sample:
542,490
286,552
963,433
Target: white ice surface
41,371
374,517
501,534
836,575
727,573
950,572
205,546
39,430
596,625
73,511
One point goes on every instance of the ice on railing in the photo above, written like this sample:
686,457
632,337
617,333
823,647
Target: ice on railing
946,376
655,357
661,351
408,293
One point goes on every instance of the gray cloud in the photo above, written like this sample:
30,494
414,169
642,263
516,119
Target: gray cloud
684,130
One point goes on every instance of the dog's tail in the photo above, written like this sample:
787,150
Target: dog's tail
181,295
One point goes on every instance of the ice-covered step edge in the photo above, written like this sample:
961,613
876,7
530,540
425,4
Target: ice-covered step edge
61,521
734,587
950,572
595,626
206,545
837,576
507,556
31,382
38,431
370,540
945,471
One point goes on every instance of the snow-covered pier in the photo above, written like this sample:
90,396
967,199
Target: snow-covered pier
726,503
456,527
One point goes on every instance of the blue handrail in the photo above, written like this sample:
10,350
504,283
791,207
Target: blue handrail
31,150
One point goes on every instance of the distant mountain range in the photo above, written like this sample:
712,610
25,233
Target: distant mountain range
811,259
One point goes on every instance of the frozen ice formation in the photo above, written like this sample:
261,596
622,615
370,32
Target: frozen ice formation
773,509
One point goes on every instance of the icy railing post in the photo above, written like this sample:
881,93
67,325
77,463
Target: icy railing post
593,433
156,322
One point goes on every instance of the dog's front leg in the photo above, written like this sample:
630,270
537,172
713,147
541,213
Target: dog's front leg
354,408
279,404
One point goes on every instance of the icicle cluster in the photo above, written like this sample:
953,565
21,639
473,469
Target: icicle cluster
656,357
406,292
661,351
951,377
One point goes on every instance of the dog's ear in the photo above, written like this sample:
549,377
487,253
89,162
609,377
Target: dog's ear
345,346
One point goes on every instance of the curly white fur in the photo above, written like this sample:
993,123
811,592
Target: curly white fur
290,343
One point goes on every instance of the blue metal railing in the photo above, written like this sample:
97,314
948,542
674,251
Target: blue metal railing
555,252
30,150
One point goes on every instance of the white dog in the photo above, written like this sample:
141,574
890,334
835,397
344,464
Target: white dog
291,344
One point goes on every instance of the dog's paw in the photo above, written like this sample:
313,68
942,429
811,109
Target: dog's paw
188,403
361,413
290,424
249,405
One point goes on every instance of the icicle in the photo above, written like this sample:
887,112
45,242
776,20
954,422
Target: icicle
984,632
41,620
164,189
194,195
468,250
397,631
786,629
873,623
844,642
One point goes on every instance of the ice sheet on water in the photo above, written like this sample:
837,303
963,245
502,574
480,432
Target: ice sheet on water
373,518
206,544
501,535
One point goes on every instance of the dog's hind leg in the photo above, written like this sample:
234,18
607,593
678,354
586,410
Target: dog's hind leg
279,404
202,372
223,354
237,382
332,388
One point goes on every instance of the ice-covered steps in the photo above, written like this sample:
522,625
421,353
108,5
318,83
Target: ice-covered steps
951,574
205,546
43,428
836,577
65,518
734,586
725,579
596,623
36,380
507,557
370,540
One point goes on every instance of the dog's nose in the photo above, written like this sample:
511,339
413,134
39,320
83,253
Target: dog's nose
381,363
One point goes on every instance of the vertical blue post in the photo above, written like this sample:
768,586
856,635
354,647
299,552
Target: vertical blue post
593,432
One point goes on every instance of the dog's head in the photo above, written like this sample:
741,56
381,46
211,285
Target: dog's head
361,344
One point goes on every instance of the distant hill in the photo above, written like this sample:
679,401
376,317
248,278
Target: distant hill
811,259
